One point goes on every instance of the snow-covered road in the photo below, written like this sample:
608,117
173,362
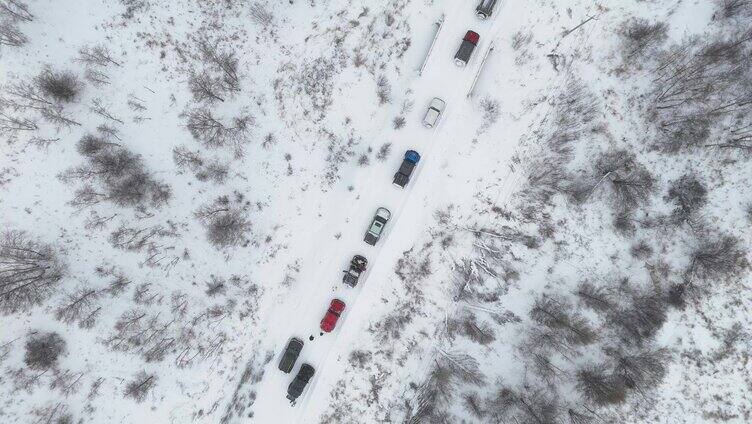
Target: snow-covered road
321,272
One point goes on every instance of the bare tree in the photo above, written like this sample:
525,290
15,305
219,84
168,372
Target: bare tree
224,62
557,314
61,86
142,383
118,172
56,413
80,306
598,298
630,183
43,350
212,132
30,271
716,258
599,386
226,221
734,8
528,405
642,370
205,87
16,10
10,35
642,317
260,15
689,194
67,382
97,55
640,36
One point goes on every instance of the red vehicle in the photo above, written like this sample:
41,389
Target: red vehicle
466,48
332,315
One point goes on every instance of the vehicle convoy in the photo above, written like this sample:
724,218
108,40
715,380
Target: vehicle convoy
409,162
466,48
299,383
435,108
485,8
357,266
377,226
292,351
332,315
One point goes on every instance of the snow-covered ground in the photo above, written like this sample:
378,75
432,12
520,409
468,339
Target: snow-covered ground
190,204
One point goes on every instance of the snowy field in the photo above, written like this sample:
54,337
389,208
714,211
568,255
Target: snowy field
182,184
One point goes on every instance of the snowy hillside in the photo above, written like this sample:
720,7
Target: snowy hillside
182,184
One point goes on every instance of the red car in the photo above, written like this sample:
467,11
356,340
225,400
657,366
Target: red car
332,315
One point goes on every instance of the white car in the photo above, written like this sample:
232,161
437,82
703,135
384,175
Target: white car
377,226
434,112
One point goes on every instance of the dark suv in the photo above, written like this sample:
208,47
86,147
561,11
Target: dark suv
299,383
410,161
292,351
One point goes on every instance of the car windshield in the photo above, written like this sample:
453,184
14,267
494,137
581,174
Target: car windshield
376,227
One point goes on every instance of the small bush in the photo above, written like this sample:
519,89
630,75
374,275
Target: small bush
140,386
43,350
63,86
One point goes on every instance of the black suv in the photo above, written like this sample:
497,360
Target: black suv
298,384
292,351
357,266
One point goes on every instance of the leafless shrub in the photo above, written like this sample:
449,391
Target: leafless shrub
61,86
312,79
261,16
30,271
641,250
142,383
718,258
491,112
383,90
521,39
640,36
384,152
364,160
43,350
212,132
226,221
398,122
